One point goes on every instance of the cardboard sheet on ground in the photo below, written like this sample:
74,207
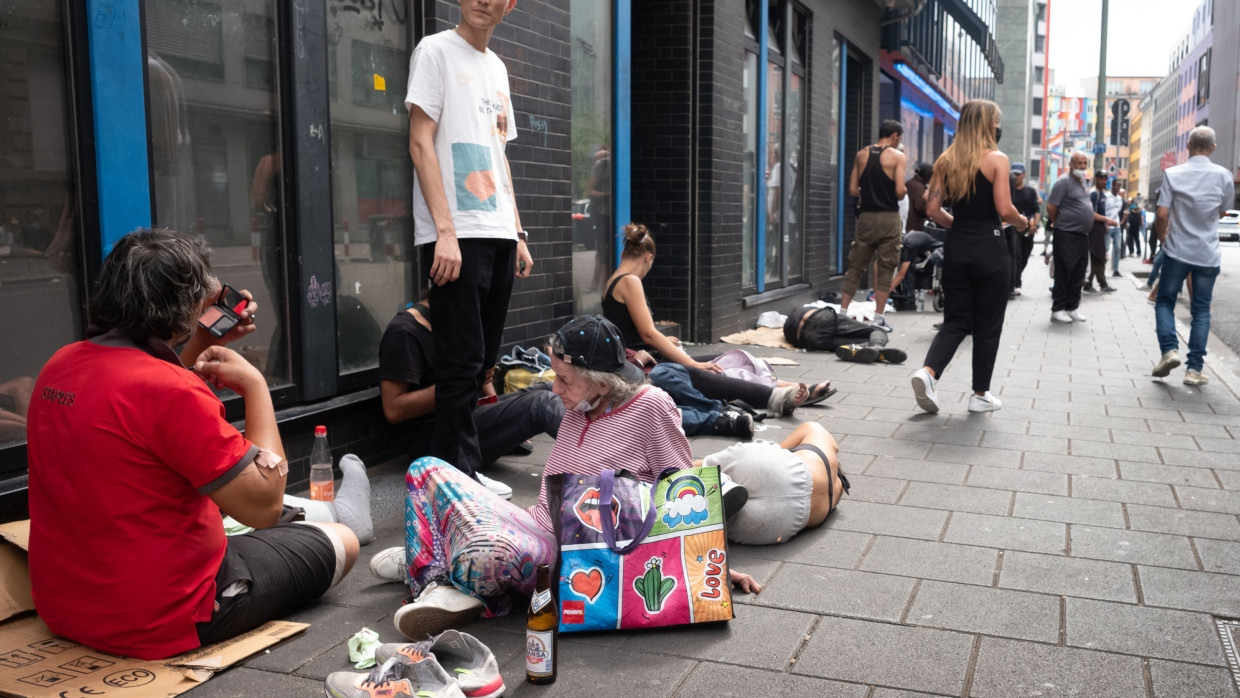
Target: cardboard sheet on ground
762,337
34,663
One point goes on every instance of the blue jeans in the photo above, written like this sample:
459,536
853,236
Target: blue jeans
697,412
1155,268
1116,237
1173,273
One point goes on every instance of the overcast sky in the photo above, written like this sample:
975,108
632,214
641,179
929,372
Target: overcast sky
1142,34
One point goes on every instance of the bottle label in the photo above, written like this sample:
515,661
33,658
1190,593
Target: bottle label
538,648
540,600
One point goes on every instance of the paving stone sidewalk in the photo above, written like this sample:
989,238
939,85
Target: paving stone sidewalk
1080,541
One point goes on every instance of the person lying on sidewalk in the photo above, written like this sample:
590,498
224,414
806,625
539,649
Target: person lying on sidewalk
469,552
787,487
626,306
132,462
407,390
823,329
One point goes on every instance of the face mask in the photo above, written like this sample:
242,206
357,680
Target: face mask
1080,174
998,133
583,406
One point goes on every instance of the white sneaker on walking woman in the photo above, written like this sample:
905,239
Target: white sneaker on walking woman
984,403
923,390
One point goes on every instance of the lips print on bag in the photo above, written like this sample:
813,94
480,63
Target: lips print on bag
587,510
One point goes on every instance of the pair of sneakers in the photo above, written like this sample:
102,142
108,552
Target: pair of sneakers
864,354
451,665
439,605
733,422
1171,360
1068,316
928,398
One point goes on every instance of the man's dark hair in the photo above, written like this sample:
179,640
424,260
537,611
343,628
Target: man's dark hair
151,285
890,127
924,170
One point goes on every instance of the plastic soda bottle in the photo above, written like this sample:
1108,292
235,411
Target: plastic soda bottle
322,482
542,631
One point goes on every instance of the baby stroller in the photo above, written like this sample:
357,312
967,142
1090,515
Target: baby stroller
924,252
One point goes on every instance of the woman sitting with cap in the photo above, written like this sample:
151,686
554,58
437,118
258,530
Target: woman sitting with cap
472,552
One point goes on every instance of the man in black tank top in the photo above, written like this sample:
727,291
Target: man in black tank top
878,181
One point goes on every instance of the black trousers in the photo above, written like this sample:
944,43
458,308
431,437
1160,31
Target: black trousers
468,318
1097,271
1071,255
977,273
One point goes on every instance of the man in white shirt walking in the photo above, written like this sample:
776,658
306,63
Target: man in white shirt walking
1192,199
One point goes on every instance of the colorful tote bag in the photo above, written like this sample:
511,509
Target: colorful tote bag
633,556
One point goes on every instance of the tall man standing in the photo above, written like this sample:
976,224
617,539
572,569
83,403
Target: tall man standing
465,213
1072,216
877,179
1027,201
1192,199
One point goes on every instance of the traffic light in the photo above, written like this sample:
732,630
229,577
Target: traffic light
1119,122
1123,131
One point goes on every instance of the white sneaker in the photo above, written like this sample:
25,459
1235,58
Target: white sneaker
984,403
462,655
1061,316
1195,378
1169,360
389,565
500,489
438,608
923,390
1076,316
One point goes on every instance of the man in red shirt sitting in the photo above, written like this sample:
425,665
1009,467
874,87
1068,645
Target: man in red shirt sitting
131,462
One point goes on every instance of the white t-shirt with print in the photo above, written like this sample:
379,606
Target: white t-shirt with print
465,91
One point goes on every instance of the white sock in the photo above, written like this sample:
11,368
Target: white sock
878,316
352,505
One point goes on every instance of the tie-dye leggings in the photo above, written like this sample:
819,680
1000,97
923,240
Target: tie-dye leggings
459,531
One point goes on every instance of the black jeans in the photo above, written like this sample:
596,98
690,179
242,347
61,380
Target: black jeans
501,425
977,272
1026,249
1013,242
717,386
1071,254
468,318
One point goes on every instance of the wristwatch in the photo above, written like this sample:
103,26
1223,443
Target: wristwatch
523,236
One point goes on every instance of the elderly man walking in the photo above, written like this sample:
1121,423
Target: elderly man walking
1072,215
1192,199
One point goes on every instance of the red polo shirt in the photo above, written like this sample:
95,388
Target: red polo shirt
124,445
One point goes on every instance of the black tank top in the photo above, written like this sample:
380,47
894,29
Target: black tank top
878,192
976,212
618,314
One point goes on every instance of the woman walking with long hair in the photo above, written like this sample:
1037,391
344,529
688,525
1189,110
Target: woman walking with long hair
971,177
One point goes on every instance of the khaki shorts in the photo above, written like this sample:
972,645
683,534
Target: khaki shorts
878,234
780,487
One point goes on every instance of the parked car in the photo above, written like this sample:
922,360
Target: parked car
1229,226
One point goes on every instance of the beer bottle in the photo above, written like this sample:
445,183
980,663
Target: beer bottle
542,631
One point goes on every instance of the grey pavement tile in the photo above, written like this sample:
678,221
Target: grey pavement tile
840,426
888,519
1200,459
889,655
1110,581
891,402
1069,510
826,590
1152,438
820,546
1069,465
977,609
761,569
1196,591
1204,524
1004,426
1122,545
1169,474
974,455
865,488
1178,680
944,561
1222,420
897,693
1020,480
329,626
1070,431
1069,407
1106,421
1035,415
953,433
1190,428
906,414
1024,391
1113,490
710,680
1025,442
1008,533
1209,499
628,673
884,447
1099,449
1148,412
924,470
242,682
781,633
1149,632
1007,668
1229,478
1219,555
933,495
1100,398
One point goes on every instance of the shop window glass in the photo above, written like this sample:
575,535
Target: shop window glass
793,190
774,172
594,223
40,239
749,173
372,177
214,149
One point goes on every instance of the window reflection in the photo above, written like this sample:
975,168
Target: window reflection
774,173
39,236
593,221
372,175
749,173
214,145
